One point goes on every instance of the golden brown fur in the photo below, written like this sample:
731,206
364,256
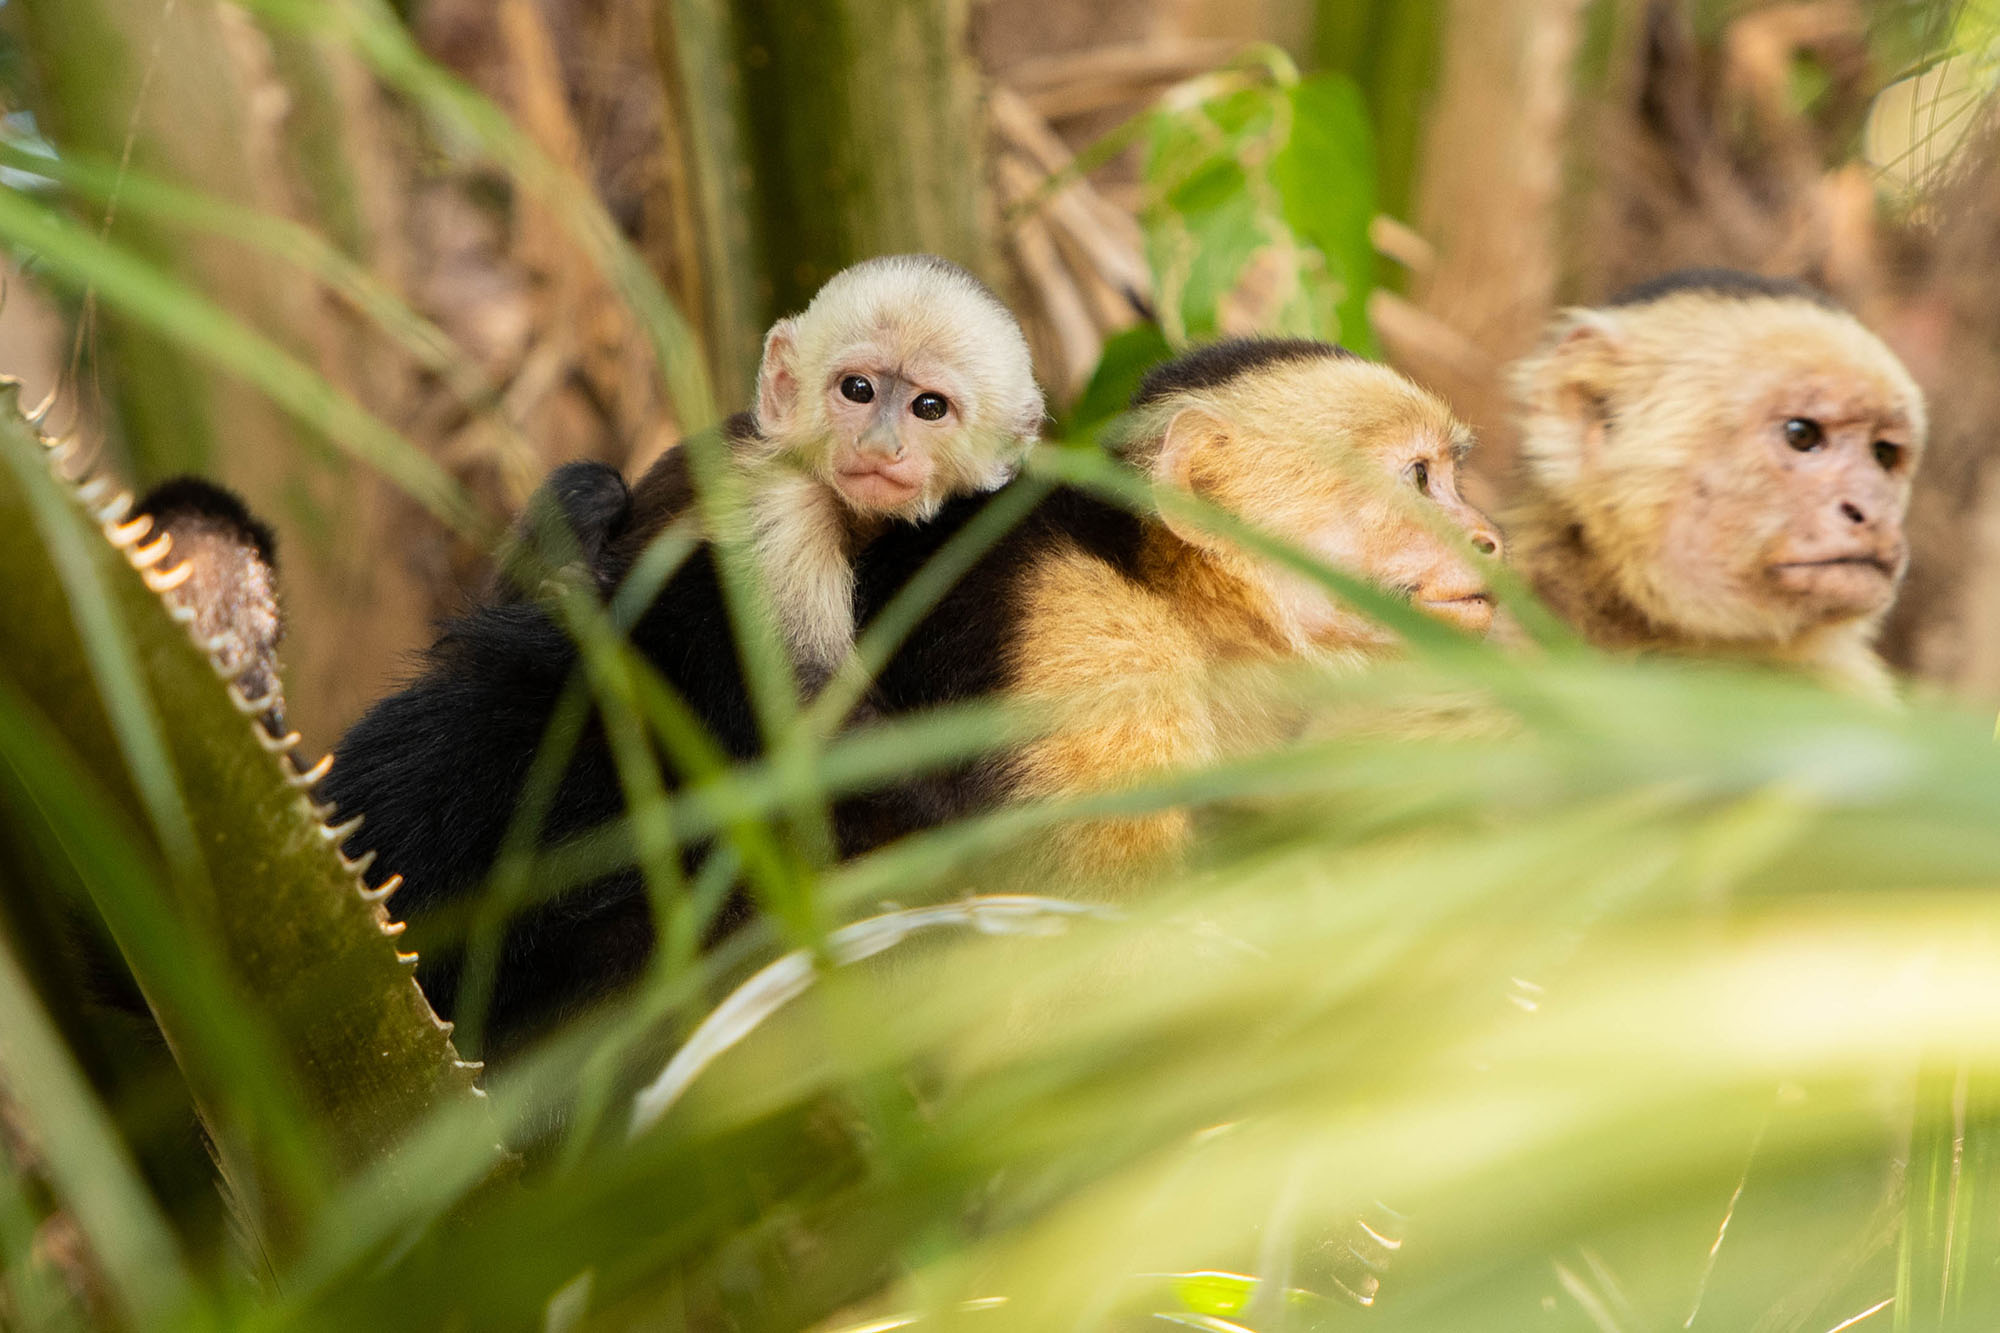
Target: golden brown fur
1150,675
1667,507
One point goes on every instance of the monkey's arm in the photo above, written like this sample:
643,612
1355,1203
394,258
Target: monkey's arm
571,520
665,492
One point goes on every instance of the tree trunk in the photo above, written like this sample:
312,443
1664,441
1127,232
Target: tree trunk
1490,197
821,132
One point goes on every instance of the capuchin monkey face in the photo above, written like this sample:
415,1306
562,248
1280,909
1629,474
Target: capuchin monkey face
1747,477
887,425
1389,511
1409,533
872,425
902,385
1353,463
1799,515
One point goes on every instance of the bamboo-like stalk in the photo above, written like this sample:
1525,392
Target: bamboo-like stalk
1392,49
821,132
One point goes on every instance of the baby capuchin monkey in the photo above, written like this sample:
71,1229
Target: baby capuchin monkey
1719,464
1131,628
904,383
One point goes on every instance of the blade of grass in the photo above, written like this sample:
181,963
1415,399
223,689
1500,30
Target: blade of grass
299,246
83,261
87,1162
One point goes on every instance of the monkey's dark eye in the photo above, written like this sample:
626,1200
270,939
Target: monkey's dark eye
1804,435
1888,455
1420,473
857,389
929,406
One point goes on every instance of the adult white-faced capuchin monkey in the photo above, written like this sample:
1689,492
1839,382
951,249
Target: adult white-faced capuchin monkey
1133,627
1719,464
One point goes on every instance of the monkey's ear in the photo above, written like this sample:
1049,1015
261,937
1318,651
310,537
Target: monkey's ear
778,378
233,589
1574,377
1190,459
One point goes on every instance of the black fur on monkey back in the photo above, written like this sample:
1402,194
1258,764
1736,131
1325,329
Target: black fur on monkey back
1726,284
438,768
966,647
1218,363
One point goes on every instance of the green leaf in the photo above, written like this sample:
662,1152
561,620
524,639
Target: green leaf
1128,355
306,1044
1326,176
1197,258
1266,193
1219,1294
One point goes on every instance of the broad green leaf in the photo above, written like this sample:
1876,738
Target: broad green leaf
1127,357
305,1041
1326,175
1264,194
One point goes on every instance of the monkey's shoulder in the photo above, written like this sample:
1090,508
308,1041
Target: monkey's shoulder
969,644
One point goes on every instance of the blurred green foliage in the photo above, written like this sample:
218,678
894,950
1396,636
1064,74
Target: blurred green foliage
1391,48
1265,194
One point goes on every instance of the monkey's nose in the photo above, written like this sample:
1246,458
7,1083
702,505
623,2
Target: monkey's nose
1852,512
1486,542
882,442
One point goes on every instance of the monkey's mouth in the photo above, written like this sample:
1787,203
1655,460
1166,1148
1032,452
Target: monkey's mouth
1469,611
1853,584
883,485
1866,560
